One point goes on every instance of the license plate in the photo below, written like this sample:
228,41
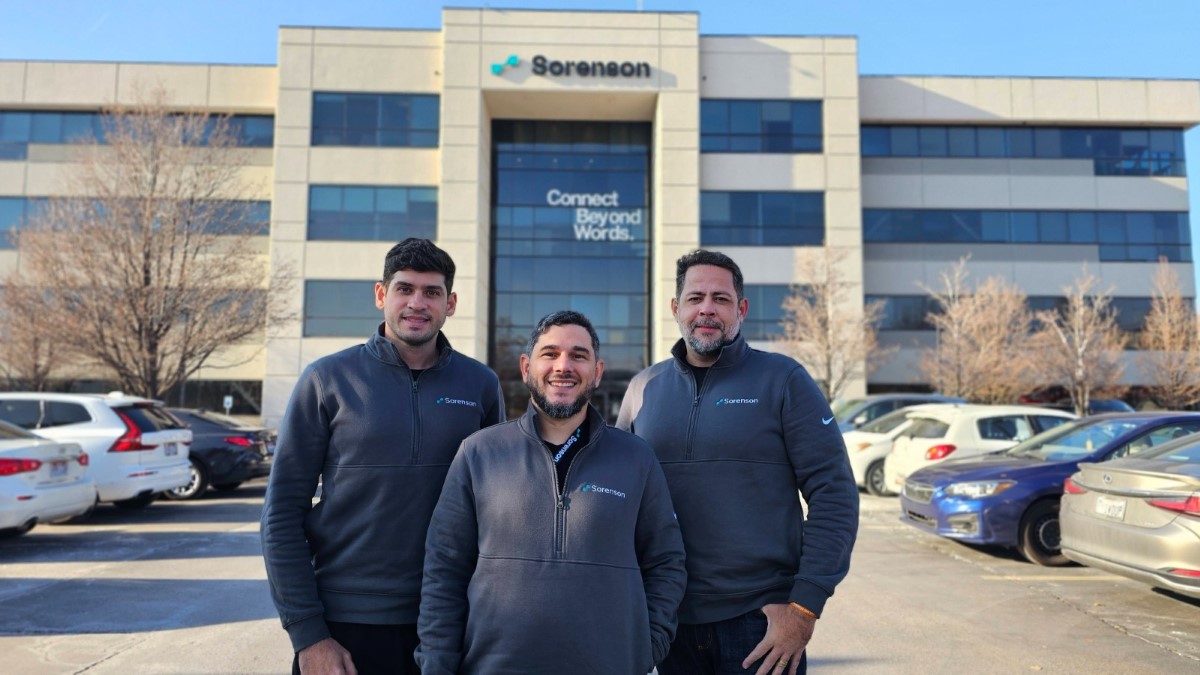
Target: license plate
171,449
1110,508
58,469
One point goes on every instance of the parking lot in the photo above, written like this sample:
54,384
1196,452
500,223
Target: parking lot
180,588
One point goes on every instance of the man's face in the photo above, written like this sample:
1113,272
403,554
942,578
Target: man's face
415,306
707,310
562,372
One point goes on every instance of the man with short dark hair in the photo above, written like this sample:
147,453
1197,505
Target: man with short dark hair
740,432
553,547
378,424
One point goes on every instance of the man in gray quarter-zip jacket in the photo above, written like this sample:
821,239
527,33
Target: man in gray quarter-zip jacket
739,432
378,424
553,548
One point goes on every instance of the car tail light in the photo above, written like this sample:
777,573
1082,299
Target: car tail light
1188,505
1072,488
12,467
1185,573
939,451
239,441
132,438
83,459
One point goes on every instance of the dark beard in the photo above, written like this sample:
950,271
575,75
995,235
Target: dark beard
559,411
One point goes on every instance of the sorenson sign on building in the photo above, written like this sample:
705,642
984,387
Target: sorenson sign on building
566,159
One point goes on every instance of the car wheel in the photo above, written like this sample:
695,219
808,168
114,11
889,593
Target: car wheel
227,487
195,487
139,502
10,532
1041,539
875,482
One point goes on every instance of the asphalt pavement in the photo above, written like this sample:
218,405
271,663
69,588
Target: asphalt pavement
180,588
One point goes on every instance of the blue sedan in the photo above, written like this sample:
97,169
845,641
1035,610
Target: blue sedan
1011,498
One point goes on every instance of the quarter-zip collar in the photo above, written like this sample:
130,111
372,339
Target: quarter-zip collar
731,354
594,422
382,348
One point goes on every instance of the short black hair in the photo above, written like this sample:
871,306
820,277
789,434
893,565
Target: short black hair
702,257
564,317
418,255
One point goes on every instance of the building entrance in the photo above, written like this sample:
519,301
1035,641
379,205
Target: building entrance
570,224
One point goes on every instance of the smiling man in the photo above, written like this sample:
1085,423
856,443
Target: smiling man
378,424
741,433
553,548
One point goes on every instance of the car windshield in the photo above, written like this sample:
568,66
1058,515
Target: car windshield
887,423
1073,441
843,408
1185,450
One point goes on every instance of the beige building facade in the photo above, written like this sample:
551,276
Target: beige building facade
784,129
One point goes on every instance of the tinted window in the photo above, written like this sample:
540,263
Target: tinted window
760,126
381,120
1045,422
23,413
371,213
746,218
60,413
1189,454
923,427
150,418
765,312
1011,428
886,423
340,309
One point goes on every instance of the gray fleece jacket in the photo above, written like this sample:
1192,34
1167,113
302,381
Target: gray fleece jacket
735,453
520,579
382,444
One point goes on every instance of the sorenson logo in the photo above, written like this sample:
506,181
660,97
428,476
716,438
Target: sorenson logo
592,487
736,401
456,401
511,62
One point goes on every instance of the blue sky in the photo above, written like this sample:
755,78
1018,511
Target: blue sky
1071,38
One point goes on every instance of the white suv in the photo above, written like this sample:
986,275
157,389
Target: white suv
940,432
136,448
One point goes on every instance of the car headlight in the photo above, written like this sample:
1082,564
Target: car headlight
977,489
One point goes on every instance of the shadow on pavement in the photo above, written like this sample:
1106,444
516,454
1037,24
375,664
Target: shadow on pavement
87,605
109,546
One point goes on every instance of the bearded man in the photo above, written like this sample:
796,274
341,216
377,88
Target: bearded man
554,546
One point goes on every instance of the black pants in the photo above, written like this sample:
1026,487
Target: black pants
376,650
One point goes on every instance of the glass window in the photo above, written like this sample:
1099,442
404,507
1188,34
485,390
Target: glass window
339,308
765,310
383,120
762,218
760,126
371,213
1115,152
1081,227
23,413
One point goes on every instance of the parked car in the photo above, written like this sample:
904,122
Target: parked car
135,448
224,454
1139,516
1011,498
868,446
41,481
854,413
944,432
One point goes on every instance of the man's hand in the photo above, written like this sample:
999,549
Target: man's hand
327,657
788,633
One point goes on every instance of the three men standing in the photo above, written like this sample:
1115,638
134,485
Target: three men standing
739,432
378,425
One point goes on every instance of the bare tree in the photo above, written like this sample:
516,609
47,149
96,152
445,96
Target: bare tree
823,328
29,353
1079,344
149,267
982,338
1171,343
